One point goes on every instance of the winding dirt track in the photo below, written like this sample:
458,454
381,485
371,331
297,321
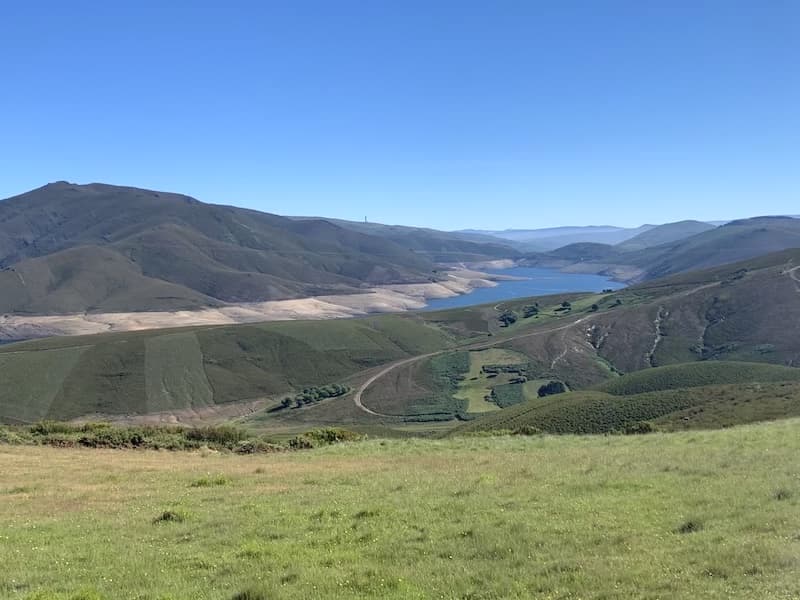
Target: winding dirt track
359,394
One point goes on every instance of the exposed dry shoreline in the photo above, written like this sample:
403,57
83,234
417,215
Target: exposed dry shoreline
382,299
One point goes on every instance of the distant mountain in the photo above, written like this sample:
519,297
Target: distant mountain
732,242
74,248
556,237
664,234
440,246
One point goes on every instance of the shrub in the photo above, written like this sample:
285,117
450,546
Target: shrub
551,388
527,430
170,516
640,427
225,435
690,526
255,447
324,437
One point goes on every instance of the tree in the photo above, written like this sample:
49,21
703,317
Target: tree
552,388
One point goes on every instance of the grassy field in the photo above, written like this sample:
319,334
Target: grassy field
684,515
476,385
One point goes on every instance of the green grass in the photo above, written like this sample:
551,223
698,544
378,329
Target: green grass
697,374
441,376
174,373
31,381
688,515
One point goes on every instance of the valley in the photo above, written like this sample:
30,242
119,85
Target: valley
410,371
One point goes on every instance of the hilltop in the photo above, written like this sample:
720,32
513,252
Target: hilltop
68,248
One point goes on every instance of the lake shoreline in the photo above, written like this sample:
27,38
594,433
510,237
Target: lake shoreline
461,287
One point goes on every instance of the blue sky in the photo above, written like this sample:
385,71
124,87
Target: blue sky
449,114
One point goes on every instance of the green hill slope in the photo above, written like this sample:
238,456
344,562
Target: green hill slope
707,394
697,374
194,368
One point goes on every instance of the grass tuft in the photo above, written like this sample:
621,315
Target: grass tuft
690,526
210,481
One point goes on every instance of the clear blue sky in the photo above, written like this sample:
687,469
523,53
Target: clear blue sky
449,114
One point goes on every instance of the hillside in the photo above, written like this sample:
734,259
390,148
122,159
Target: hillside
74,248
194,371
705,395
439,246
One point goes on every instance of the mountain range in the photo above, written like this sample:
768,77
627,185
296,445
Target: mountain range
100,248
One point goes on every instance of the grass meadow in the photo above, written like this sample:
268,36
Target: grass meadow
710,514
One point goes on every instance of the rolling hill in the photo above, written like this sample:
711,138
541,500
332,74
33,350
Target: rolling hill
439,246
96,247
681,396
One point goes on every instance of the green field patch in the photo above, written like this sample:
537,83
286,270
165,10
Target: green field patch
487,369
32,380
441,375
174,373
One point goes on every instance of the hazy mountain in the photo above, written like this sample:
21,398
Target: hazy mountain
734,241
555,237
664,234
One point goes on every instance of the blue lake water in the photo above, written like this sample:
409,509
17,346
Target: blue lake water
537,282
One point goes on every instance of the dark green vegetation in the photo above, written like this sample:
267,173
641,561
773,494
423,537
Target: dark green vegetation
165,437
702,514
633,261
312,395
72,248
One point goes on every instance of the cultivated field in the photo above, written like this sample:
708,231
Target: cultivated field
682,515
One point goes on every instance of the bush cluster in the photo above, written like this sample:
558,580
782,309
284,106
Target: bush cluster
162,437
314,394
